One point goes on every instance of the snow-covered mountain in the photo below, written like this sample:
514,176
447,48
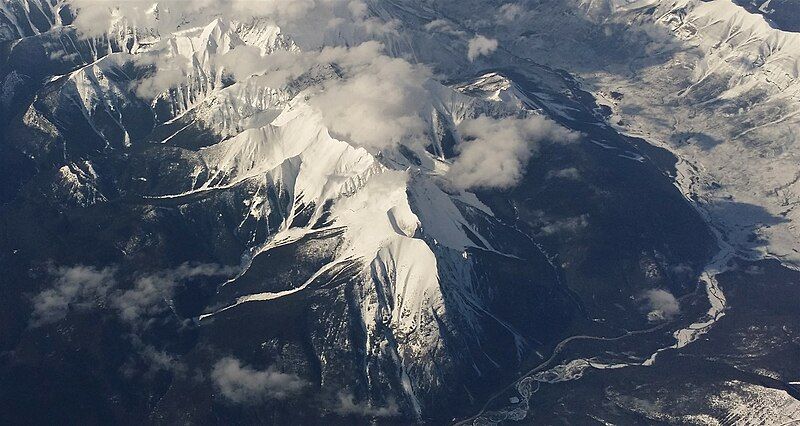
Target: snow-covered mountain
669,71
19,19
378,210
385,221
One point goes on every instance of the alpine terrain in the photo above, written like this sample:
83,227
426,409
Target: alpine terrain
399,212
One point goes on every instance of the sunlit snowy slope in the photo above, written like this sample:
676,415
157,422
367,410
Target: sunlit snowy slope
390,211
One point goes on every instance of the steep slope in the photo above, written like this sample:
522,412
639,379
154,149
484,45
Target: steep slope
782,14
668,70
250,234
409,261
24,18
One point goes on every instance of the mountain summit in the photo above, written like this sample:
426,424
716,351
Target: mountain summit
357,211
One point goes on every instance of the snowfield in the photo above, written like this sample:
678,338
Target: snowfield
341,149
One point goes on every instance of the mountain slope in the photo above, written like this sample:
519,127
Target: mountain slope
355,220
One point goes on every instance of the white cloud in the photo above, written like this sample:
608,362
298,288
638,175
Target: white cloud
155,360
77,287
166,74
243,61
481,46
569,225
276,69
358,8
347,406
83,287
444,26
682,269
245,385
493,153
509,12
662,305
95,17
144,300
569,173
379,101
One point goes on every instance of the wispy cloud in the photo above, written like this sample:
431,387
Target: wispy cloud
83,287
444,26
569,225
150,293
75,287
347,405
243,384
569,173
